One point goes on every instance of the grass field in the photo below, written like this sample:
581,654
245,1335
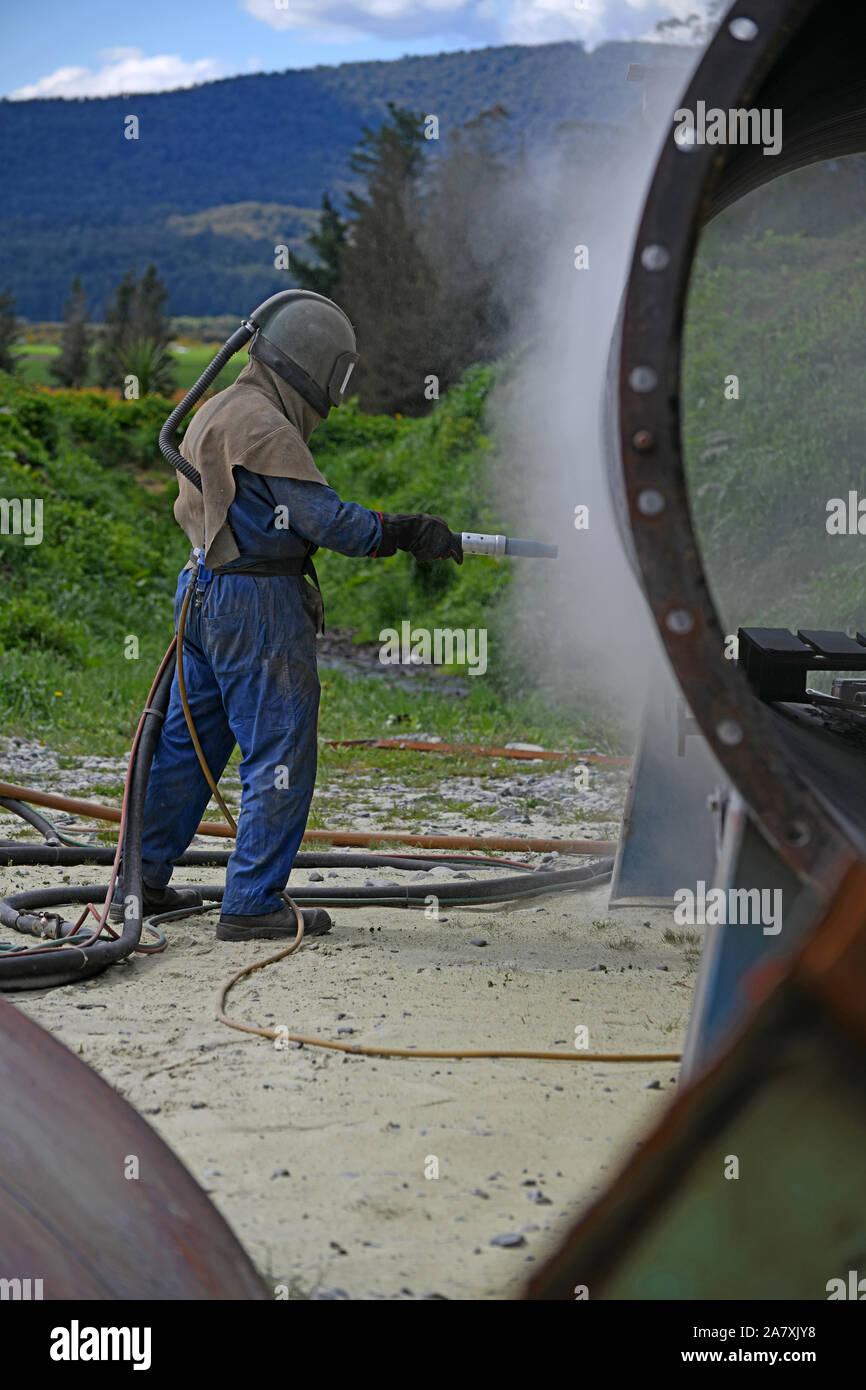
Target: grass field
33,361
780,315
106,571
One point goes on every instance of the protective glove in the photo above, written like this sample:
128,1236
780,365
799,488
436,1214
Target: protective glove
425,537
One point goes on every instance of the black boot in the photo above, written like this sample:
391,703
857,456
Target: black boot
281,924
156,900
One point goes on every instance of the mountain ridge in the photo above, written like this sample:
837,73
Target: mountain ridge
85,200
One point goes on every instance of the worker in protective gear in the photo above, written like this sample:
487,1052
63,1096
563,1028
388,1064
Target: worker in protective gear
249,646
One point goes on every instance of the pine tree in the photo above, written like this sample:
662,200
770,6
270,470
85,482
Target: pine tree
71,367
136,336
386,284
151,319
473,235
323,275
8,330
118,315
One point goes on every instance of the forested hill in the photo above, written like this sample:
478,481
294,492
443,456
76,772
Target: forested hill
222,171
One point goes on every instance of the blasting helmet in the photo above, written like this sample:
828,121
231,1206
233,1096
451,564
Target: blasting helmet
308,341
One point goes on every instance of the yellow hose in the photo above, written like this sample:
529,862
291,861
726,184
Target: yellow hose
359,1048
181,685
363,1050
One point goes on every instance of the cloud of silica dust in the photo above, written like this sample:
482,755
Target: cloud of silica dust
580,623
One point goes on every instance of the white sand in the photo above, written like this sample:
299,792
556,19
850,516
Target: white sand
356,1211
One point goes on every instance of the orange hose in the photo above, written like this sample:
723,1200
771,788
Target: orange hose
527,845
423,746
338,838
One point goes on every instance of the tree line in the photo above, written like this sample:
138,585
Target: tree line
427,260
434,254
133,341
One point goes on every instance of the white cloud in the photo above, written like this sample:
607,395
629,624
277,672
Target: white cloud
491,21
479,21
592,21
122,70
384,19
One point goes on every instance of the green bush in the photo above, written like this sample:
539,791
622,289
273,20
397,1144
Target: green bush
108,562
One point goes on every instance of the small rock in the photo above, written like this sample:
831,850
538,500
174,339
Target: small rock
315,877
478,941
510,1240
538,1197
280,1173
653,1086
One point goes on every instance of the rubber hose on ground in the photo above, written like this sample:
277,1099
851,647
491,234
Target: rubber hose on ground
67,964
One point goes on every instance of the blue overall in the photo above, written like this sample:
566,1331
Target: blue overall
251,679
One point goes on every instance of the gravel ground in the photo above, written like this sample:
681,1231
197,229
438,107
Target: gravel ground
370,1178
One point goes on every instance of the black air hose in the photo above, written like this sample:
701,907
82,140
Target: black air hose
40,823
167,434
68,964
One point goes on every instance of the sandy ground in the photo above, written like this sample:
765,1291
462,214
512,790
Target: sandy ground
325,1164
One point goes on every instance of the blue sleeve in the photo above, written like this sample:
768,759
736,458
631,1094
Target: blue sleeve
318,514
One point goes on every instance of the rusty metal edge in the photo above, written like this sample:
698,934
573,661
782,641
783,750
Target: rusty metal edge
739,729
828,973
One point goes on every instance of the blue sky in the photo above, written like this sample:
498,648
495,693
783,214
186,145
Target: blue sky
101,47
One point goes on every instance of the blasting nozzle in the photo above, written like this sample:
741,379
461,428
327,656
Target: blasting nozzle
477,543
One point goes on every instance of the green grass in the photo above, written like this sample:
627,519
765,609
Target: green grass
107,565
33,361
689,939
785,314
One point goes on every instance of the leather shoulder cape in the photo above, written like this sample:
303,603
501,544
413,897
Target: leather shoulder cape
259,423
